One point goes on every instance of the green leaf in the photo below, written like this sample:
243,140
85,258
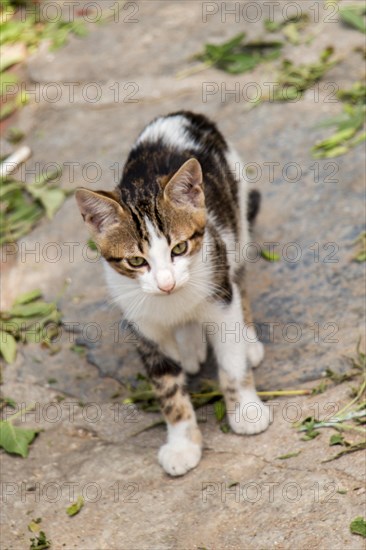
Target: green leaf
336,139
358,526
235,57
15,440
269,255
34,525
220,410
347,450
345,137
289,455
294,79
92,245
352,16
308,424
28,297
40,542
33,309
8,346
336,439
355,95
75,508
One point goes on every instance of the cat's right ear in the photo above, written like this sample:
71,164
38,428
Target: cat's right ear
99,210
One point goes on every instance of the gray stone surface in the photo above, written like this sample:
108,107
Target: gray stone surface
150,510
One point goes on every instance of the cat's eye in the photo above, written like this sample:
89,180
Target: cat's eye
137,261
180,248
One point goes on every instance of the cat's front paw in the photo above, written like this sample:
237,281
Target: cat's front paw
178,459
251,415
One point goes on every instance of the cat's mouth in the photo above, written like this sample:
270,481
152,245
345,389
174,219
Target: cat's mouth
159,292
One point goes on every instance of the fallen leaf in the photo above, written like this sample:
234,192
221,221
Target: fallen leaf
358,526
353,16
28,297
8,346
270,256
75,508
15,440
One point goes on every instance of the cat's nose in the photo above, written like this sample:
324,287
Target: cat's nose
165,280
167,288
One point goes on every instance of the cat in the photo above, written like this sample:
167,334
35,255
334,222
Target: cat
169,236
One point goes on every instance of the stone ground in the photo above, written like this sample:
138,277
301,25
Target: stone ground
89,439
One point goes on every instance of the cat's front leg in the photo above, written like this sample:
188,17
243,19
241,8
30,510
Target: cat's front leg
246,412
183,449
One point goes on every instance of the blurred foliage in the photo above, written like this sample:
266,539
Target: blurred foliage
238,56
291,27
21,32
349,125
23,205
29,320
293,79
354,16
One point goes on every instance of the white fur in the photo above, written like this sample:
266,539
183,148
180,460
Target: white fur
172,131
192,345
179,454
251,416
163,275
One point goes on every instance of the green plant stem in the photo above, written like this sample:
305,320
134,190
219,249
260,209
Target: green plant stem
194,70
359,393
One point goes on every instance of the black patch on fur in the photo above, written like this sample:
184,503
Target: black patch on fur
148,161
254,203
156,363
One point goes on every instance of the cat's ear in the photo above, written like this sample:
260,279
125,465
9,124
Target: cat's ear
185,187
99,210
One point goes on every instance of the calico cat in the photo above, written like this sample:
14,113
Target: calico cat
172,235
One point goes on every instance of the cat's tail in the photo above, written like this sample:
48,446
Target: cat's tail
254,203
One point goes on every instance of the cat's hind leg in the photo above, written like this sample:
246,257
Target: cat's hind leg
191,341
254,348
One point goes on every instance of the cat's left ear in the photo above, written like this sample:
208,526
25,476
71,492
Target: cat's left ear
185,187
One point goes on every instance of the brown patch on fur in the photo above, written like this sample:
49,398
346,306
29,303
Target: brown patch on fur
245,303
183,223
175,403
116,237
